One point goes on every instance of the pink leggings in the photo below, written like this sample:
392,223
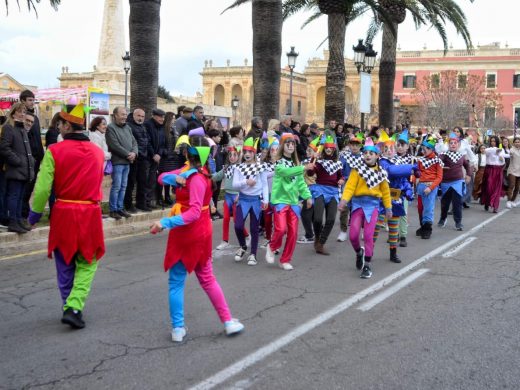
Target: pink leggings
207,281
357,220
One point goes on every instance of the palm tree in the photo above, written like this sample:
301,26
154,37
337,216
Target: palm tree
267,51
30,5
434,12
144,25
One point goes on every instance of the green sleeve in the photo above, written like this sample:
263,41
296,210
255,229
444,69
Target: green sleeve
303,188
218,176
43,187
288,172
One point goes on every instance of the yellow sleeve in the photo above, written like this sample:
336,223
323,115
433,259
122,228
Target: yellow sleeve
351,186
385,192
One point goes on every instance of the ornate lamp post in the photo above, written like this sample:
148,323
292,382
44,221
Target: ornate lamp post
126,60
234,105
291,60
365,60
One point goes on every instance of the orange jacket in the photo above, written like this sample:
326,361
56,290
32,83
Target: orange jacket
432,174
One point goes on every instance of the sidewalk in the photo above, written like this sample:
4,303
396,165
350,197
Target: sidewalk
12,244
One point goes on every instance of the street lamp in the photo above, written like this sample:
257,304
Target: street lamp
291,60
234,105
397,105
126,60
365,61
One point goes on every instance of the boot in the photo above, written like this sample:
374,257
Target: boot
320,249
427,231
403,242
419,231
393,256
15,227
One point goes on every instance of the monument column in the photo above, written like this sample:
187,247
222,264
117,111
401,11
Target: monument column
112,41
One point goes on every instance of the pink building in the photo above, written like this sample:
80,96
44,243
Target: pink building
499,66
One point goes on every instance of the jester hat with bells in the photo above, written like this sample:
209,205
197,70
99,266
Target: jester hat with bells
250,144
201,151
76,116
329,142
369,146
429,143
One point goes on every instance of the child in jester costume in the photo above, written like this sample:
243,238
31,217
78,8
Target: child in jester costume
403,157
190,238
74,169
325,192
400,191
251,180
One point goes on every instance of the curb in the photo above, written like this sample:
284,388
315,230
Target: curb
12,244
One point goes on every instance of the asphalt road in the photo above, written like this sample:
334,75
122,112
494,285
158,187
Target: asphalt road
455,326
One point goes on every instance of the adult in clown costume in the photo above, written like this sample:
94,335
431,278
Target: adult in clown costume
190,238
74,169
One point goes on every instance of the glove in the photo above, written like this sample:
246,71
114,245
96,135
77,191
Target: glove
34,217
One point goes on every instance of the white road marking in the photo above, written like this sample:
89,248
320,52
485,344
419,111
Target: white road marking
260,354
455,250
392,290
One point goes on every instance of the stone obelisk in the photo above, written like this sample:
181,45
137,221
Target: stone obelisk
112,41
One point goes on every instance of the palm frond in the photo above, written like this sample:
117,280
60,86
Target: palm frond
312,18
237,3
291,7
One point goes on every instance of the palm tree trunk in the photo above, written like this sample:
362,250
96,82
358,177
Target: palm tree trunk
387,77
267,51
335,82
144,25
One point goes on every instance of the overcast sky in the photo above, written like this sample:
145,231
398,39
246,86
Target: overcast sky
33,50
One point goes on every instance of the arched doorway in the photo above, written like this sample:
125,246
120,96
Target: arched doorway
219,96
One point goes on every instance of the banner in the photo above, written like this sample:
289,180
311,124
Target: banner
365,93
100,102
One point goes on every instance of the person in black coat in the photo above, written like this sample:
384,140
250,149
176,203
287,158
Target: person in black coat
138,175
16,152
167,162
197,118
156,151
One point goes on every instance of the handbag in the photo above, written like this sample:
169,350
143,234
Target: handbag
108,168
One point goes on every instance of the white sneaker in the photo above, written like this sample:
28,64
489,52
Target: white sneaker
233,327
342,237
251,260
264,245
239,255
248,241
509,204
286,266
269,254
223,245
178,334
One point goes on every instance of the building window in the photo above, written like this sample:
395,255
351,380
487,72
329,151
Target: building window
409,81
299,108
491,80
4,83
489,116
516,80
436,80
462,81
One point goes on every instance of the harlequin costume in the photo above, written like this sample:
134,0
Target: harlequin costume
348,161
365,187
430,168
453,185
268,168
325,195
288,188
307,213
230,198
74,169
399,171
189,243
250,200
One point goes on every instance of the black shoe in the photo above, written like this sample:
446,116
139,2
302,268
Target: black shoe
366,273
15,227
146,209
115,215
4,221
427,231
168,201
486,208
459,227
360,258
403,243
124,213
393,256
73,318
465,205
419,231
441,223
131,210
24,224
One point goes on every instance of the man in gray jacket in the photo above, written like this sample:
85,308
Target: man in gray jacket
123,146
